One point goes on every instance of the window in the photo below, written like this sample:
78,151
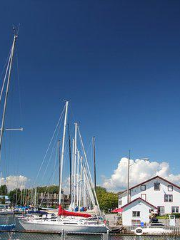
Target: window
175,209
136,213
143,187
170,188
156,186
168,198
143,196
161,210
120,201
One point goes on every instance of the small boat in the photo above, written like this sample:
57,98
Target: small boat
152,229
6,211
7,227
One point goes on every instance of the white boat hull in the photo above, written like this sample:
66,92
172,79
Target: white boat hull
152,231
59,227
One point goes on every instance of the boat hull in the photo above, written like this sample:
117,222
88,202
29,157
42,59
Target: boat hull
152,231
6,213
59,227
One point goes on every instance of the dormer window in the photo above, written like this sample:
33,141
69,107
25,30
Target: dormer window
156,186
143,187
170,188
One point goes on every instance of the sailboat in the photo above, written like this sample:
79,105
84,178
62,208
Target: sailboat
4,94
67,220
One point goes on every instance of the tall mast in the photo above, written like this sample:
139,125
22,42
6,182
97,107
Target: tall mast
62,150
72,174
80,183
88,173
94,158
77,188
9,67
35,197
70,162
75,162
59,158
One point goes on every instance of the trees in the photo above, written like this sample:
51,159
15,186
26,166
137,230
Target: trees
107,200
3,193
3,190
48,189
15,196
27,196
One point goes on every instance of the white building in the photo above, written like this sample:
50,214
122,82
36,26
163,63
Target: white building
157,192
137,212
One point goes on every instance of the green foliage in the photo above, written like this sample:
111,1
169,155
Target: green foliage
177,215
26,196
2,200
166,216
107,200
15,195
3,193
3,190
48,189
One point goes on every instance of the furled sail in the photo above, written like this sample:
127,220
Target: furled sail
62,212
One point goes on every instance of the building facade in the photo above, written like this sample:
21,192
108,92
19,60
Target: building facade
52,199
137,212
157,191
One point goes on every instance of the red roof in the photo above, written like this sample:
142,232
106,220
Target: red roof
151,180
136,200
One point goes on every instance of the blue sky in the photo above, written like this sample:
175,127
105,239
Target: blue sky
118,62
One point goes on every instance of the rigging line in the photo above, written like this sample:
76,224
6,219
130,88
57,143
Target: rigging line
49,144
47,165
89,173
55,166
52,151
89,148
5,67
57,162
51,177
7,92
5,76
19,148
5,64
71,114
85,155
18,78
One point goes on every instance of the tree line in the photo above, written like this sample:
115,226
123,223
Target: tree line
107,200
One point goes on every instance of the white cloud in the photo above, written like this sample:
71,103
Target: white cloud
13,182
140,171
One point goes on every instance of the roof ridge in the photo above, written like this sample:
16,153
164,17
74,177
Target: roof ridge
157,176
139,198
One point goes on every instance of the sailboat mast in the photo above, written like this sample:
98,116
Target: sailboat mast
77,188
75,163
59,158
72,174
35,197
62,151
70,162
9,67
94,158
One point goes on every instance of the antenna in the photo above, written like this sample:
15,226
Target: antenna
128,176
